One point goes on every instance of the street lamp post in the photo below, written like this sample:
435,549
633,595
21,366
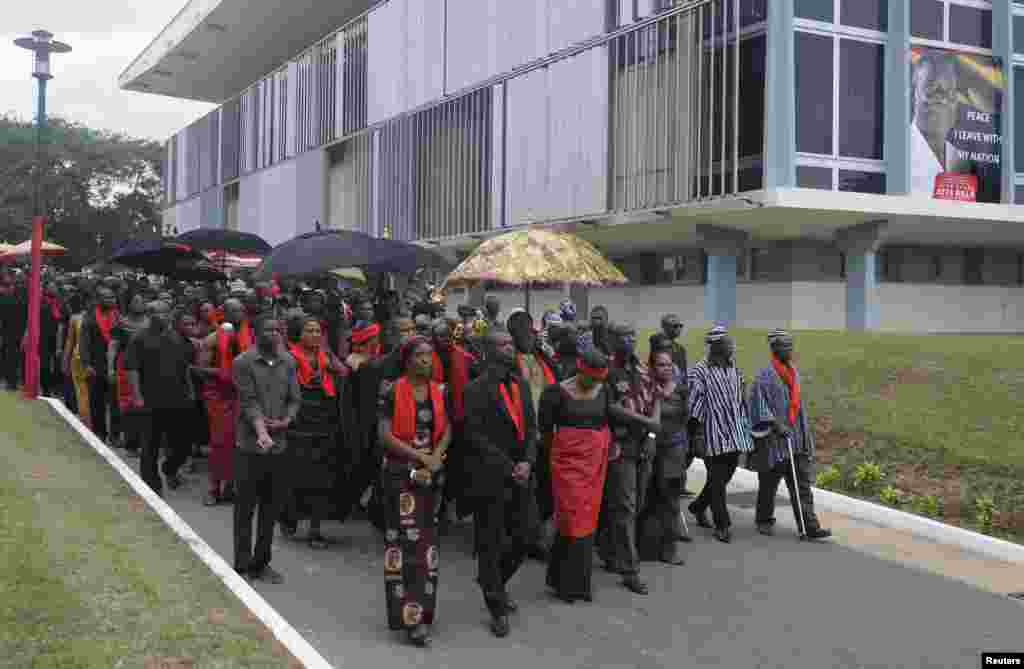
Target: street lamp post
42,45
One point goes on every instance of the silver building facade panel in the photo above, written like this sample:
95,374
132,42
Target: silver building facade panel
424,52
527,145
267,202
211,213
386,61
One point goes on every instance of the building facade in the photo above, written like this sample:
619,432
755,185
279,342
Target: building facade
820,164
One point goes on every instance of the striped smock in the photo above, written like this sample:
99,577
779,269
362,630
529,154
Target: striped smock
716,399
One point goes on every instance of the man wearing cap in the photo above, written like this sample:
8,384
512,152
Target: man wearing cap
672,328
636,419
780,431
717,402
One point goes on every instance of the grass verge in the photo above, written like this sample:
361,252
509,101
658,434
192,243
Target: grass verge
92,578
942,416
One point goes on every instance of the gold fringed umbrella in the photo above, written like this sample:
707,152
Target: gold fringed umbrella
533,257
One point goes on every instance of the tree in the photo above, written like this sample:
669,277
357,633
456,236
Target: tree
97,187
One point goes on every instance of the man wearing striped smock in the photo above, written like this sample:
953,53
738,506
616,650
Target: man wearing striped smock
717,402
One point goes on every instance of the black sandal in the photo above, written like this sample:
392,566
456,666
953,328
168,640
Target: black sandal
419,636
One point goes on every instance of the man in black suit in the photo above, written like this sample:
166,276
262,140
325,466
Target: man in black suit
500,451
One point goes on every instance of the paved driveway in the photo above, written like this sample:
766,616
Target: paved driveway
768,602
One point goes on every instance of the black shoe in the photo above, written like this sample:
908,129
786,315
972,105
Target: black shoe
173,481
635,585
244,574
819,533
670,555
288,529
767,529
269,575
724,535
500,626
211,499
510,605
317,542
702,517
419,636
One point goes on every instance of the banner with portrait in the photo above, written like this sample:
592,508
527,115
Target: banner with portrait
956,139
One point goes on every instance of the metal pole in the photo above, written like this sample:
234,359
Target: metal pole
31,388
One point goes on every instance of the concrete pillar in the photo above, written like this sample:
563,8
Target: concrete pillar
1002,49
860,245
896,88
780,98
722,246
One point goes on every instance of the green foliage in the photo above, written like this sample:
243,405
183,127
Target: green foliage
984,512
867,476
890,496
830,478
927,505
92,182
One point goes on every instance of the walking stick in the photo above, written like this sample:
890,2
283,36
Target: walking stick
801,525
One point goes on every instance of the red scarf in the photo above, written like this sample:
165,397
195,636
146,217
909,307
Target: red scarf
514,404
403,419
106,323
224,356
549,376
437,376
305,370
54,304
788,376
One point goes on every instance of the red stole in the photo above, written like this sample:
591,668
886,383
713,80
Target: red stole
305,370
437,376
514,404
106,324
788,376
458,377
224,357
403,419
549,376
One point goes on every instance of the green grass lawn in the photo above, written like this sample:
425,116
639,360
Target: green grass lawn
90,577
952,404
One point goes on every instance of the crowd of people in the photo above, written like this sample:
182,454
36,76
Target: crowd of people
314,403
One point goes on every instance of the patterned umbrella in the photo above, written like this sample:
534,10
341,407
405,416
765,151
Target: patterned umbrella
536,257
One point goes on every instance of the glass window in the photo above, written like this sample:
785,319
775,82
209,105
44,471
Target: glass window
814,81
870,14
926,19
969,25
1018,114
808,176
1019,195
818,10
862,182
861,103
1018,34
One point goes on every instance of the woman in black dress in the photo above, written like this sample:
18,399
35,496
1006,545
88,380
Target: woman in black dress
573,420
660,522
312,439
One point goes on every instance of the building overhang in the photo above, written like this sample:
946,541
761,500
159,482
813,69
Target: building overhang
791,214
213,49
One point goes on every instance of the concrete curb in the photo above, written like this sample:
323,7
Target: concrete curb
282,630
896,519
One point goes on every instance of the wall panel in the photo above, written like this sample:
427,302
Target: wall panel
229,137
527,148
211,214
425,25
386,61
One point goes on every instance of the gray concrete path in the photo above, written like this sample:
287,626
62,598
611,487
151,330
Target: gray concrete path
766,602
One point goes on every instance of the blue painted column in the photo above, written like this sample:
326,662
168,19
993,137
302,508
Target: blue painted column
722,246
896,88
1002,48
861,291
780,98
860,244
720,291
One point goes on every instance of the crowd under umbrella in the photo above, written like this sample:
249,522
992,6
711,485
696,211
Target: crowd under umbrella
535,257
170,259
322,252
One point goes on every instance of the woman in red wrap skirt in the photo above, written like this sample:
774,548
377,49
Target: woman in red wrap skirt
573,417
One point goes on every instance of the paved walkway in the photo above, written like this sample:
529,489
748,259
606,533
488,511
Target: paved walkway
868,599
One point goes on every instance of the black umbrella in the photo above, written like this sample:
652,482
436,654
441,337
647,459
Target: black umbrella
323,251
219,239
171,259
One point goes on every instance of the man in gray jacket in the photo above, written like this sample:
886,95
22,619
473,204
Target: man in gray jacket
269,399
